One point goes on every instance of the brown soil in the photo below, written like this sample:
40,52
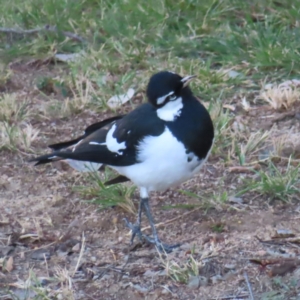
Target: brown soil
77,251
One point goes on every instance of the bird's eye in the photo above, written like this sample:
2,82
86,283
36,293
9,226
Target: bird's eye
172,97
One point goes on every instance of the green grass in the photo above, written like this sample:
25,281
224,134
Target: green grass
255,38
108,196
276,183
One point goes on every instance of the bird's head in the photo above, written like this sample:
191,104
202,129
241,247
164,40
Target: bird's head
165,87
166,91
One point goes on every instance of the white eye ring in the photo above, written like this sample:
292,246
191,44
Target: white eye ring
172,97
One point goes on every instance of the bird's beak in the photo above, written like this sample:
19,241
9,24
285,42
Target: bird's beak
185,80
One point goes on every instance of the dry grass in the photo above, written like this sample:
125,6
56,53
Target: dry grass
183,269
82,89
283,95
14,108
17,137
254,143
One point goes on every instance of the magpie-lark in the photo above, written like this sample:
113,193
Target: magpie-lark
158,145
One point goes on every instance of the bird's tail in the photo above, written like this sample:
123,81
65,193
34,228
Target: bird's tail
45,159
80,166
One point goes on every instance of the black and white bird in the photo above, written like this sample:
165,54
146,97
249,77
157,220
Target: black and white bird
160,144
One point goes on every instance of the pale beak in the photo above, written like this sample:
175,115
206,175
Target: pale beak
185,80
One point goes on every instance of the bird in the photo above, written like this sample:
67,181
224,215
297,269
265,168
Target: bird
160,144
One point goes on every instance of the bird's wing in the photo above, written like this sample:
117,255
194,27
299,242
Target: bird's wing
114,144
116,180
89,130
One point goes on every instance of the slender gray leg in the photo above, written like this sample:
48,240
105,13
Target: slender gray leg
146,206
161,246
136,227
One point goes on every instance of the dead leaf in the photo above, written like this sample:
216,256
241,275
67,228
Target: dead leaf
282,265
245,104
9,264
2,223
76,248
237,200
230,107
284,268
118,100
215,238
241,169
287,83
283,233
234,74
139,288
69,57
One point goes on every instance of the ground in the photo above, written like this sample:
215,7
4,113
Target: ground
62,233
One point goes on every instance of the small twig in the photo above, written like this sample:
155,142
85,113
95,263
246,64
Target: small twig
42,247
249,286
67,234
89,296
68,34
47,268
80,254
270,242
118,270
167,289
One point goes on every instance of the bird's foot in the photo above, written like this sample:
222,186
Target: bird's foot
162,247
135,230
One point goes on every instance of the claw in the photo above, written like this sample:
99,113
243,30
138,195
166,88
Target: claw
165,247
135,230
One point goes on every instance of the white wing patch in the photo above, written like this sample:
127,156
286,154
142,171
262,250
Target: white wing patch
111,143
95,143
171,110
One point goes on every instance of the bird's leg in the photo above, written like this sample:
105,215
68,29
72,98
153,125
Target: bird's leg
161,247
136,227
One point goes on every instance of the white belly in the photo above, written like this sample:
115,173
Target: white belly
164,163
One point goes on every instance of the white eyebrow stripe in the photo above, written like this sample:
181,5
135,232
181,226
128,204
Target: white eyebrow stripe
95,143
161,100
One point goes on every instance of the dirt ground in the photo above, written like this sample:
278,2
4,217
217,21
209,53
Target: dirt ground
55,245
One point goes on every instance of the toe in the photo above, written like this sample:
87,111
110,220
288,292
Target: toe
166,248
